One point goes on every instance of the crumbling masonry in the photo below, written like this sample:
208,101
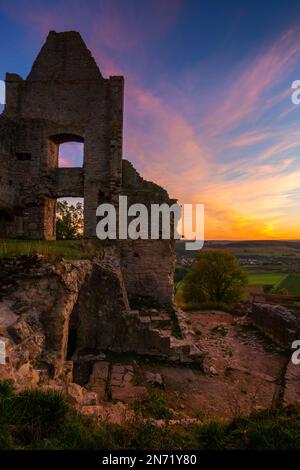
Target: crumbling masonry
59,319
65,98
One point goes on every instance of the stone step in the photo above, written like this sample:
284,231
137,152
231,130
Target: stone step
98,378
162,342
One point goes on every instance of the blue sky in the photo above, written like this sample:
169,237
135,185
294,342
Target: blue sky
208,110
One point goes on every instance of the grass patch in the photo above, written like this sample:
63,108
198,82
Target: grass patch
291,283
51,250
207,306
156,405
30,415
43,420
267,278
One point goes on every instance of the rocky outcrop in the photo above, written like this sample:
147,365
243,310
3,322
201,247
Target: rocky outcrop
277,322
58,319
37,299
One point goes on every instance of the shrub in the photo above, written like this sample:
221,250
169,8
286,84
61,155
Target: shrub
215,276
6,389
213,436
33,413
156,405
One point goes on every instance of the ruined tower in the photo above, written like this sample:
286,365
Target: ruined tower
66,99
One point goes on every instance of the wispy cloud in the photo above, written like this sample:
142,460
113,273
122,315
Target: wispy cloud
248,95
240,157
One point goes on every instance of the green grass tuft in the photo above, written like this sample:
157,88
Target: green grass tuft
34,419
156,405
52,250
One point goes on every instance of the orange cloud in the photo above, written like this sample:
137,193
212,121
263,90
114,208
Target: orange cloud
245,196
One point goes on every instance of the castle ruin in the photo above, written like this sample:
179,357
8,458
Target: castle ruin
66,99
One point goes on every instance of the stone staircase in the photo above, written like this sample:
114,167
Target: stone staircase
160,341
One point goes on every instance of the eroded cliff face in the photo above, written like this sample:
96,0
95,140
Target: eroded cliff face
37,299
57,319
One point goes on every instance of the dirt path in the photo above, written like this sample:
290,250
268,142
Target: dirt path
242,372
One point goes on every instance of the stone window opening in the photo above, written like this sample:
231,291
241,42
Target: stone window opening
70,155
65,151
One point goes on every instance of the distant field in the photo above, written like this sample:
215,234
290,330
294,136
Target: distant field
291,283
266,248
262,279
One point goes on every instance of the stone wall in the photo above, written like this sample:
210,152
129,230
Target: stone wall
64,98
8,188
277,322
148,267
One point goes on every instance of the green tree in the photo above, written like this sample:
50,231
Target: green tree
214,276
69,221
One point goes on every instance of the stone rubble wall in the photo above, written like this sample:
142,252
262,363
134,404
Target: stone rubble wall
148,267
277,322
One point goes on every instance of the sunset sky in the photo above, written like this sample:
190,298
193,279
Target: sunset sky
208,111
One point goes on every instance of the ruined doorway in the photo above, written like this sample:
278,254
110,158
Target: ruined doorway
65,163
